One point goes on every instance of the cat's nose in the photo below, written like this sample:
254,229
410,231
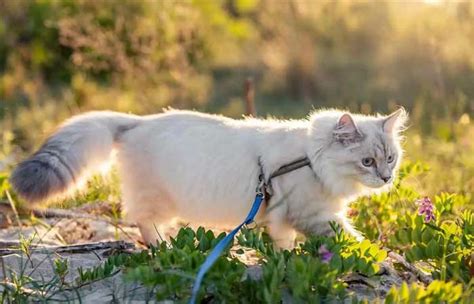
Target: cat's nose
386,178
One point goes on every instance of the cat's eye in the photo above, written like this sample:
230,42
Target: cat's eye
390,159
368,161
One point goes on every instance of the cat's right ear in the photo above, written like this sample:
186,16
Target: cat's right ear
346,130
395,122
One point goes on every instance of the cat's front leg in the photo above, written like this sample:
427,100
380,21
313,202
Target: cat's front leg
321,226
280,230
283,235
349,228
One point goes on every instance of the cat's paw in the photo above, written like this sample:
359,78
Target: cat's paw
284,244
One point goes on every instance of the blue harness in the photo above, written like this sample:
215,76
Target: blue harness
262,193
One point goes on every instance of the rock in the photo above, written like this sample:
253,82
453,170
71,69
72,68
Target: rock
40,267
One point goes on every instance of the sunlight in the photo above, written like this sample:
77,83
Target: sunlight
142,132
105,168
433,2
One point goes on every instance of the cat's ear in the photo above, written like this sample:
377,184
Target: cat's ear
395,122
346,130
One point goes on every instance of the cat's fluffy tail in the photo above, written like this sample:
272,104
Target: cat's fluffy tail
78,147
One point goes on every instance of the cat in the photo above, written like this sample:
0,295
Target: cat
204,169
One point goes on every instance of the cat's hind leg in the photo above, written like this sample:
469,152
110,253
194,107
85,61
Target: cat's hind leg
155,230
152,211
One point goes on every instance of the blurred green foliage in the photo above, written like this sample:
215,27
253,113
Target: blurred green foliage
58,58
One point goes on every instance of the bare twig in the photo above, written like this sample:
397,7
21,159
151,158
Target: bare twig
62,213
79,248
12,205
7,244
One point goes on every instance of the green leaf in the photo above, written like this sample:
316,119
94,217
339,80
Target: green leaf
336,262
381,256
432,249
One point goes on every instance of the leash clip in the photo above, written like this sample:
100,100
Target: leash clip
261,185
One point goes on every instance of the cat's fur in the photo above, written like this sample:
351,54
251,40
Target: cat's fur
203,169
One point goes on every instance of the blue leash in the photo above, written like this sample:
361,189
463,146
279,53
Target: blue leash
216,252
264,188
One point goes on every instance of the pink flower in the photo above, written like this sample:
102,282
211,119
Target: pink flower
352,212
325,254
426,209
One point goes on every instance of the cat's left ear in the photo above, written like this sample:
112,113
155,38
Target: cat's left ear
395,122
346,130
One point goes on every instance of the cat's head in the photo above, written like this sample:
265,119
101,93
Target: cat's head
364,149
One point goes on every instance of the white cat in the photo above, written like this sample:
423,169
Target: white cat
203,169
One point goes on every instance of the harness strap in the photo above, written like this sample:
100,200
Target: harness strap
294,165
299,163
